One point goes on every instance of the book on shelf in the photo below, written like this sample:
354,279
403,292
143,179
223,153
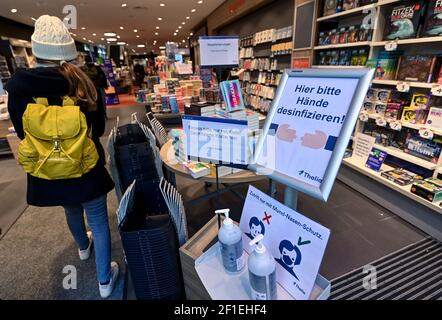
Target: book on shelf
404,20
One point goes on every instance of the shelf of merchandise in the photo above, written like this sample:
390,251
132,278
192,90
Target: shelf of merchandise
262,97
263,84
405,190
340,67
407,157
410,125
343,45
410,83
409,41
346,13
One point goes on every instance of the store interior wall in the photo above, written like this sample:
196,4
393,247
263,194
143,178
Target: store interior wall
277,14
13,29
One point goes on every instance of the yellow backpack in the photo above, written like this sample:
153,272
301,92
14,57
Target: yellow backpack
57,142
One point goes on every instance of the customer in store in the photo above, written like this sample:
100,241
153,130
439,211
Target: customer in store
54,78
98,77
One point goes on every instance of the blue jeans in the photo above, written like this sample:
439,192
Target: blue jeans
96,212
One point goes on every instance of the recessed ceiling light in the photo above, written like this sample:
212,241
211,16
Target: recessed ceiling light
83,28
183,23
174,33
162,5
156,33
141,46
110,34
122,28
159,18
118,37
135,30
200,2
191,33
14,10
124,5
121,43
84,39
90,41
187,18
111,39
179,27
157,27
94,34
193,10
177,30
102,39
184,41
138,36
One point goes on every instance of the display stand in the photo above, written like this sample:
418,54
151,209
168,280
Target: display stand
200,249
291,197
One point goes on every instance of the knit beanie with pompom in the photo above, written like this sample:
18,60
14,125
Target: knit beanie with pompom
51,40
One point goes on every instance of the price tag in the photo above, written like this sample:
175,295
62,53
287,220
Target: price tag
396,125
436,90
363,116
403,86
391,45
381,122
426,133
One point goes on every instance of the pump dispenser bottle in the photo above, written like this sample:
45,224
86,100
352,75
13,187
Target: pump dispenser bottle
230,238
262,271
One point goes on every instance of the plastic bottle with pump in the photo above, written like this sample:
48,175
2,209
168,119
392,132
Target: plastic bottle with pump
230,238
262,271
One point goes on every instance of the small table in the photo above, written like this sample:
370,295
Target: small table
167,154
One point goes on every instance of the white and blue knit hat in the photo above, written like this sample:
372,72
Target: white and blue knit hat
51,40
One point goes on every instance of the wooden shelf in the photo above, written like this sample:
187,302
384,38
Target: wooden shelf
357,10
255,95
405,190
409,41
343,45
411,83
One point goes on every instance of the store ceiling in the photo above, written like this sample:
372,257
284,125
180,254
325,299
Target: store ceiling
96,17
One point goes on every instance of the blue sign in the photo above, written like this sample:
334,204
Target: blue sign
376,159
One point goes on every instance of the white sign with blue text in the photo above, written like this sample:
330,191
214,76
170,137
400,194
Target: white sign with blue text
309,126
296,242
216,140
219,51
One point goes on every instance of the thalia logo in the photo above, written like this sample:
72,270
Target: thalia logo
309,176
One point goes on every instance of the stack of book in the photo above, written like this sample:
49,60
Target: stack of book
235,115
252,120
197,169
177,136
200,109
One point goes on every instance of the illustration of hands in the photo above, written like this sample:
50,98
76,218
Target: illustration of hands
285,134
314,141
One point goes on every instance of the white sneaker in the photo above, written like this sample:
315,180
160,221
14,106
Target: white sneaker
106,289
86,253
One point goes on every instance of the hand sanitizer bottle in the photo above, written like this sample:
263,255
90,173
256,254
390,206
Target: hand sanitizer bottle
262,271
230,239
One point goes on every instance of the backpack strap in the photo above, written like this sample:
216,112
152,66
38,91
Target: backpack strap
42,101
68,101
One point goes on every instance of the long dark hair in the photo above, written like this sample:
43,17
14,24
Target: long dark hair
80,86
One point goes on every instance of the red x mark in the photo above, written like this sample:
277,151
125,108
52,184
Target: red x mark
267,218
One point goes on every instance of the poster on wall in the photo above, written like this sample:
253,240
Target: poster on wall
309,126
111,92
296,242
219,51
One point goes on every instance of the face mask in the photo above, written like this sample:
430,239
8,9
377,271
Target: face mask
287,260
